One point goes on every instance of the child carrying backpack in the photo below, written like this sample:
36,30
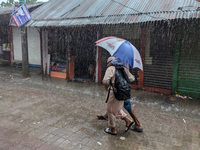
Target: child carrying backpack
117,71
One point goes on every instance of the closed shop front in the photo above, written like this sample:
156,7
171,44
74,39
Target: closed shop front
189,63
158,64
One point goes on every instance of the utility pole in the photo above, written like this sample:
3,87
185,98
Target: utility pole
25,64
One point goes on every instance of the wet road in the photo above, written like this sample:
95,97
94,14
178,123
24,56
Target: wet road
52,114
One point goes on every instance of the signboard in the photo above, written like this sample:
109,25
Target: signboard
12,21
20,16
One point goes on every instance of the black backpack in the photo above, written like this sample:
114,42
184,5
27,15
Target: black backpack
122,86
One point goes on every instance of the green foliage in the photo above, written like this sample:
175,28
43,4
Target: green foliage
31,1
9,3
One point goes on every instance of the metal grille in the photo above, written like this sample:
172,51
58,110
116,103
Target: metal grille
135,71
189,64
105,55
158,66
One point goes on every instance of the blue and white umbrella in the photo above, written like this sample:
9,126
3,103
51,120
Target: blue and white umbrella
122,49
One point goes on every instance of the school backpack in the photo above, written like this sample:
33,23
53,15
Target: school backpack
122,86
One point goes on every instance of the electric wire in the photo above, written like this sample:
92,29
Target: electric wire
139,12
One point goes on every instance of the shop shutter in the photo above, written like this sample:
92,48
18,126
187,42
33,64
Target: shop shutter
158,69
189,72
105,55
158,64
189,61
135,71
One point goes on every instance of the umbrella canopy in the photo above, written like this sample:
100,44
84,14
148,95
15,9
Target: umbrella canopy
122,49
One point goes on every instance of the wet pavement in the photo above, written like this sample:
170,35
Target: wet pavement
42,113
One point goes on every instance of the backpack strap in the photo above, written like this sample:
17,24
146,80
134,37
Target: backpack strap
111,85
108,95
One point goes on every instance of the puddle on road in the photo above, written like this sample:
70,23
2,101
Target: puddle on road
168,114
96,91
186,107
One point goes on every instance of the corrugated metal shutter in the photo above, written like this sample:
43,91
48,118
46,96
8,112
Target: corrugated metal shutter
189,64
135,71
189,74
159,74
158,66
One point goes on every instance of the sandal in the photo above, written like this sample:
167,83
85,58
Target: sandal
134,128
101,117
107,130
128,127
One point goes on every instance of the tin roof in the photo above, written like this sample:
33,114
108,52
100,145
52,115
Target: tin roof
85,12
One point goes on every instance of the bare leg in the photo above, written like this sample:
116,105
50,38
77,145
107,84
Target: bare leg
127,120
105,116
132,114
129,123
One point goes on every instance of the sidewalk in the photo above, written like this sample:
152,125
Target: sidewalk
41,113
